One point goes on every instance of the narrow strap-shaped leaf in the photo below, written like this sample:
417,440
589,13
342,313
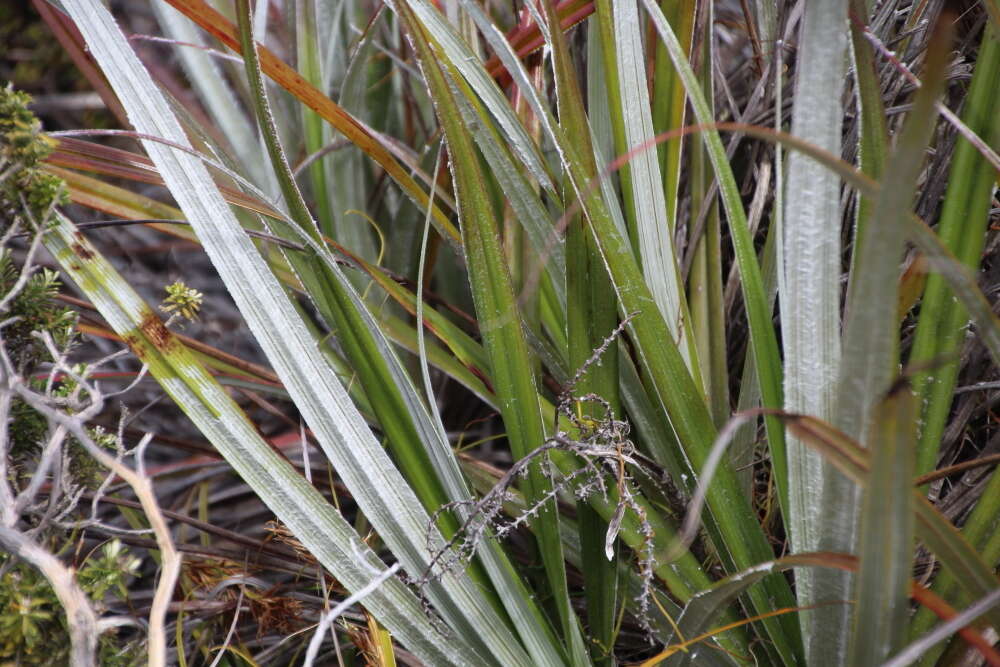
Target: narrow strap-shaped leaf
347,173
809,297
315,133
472,69
642,182
870,358
591,314
871,328
524,200
745,438
669,103
704,278
873,135
886,532
965,215
763,340
418,443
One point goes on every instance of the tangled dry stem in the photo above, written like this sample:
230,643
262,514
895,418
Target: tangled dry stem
605,460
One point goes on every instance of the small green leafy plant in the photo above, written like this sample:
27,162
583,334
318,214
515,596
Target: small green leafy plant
32,621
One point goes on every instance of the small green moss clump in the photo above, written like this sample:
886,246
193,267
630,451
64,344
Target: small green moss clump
34,308
22,147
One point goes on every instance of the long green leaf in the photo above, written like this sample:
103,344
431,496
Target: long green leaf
763,340
315,133
392,394
708,317
591,314
465,61
821,503
870,359
873,134
525,202
744,440
669,103
641,177
886,530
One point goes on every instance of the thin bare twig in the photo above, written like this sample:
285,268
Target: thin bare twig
327,620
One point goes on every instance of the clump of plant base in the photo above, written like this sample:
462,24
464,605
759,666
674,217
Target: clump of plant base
573,186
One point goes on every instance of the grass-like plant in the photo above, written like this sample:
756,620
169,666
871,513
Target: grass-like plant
585,218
